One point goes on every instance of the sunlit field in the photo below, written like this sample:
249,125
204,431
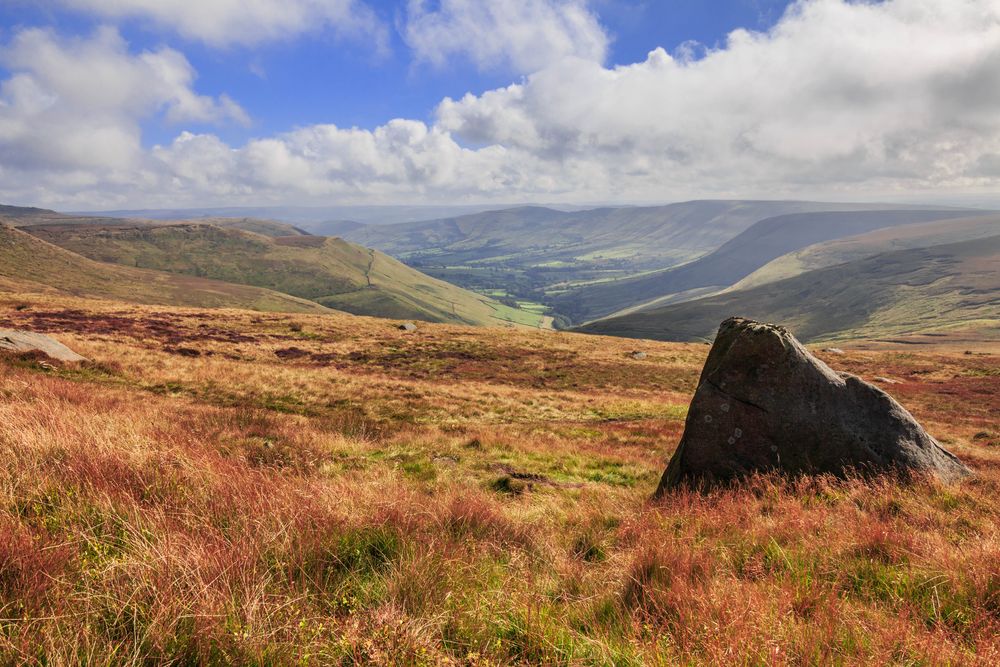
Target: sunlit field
221,487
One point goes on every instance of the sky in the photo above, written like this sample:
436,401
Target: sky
171,103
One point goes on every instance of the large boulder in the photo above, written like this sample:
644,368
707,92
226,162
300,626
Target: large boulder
764,403
26,341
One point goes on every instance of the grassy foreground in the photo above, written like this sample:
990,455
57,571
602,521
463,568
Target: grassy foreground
234,487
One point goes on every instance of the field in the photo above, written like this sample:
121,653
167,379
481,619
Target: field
226,486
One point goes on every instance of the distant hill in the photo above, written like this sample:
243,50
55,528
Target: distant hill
333,227
928,289
552,257
20,216
645,236
838,251
31,264
328,271
271,228
738,257
312,218
18,212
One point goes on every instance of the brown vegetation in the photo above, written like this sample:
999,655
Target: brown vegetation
237,487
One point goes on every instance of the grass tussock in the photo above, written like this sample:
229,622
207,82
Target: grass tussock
158,507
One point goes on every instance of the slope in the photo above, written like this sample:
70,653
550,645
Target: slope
902,292
30,264
734,260
264,227
830,253
22,216
329,271
536,253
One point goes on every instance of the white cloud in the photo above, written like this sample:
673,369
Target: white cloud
229,22
841,99
325,161
904,93
78,104
525,35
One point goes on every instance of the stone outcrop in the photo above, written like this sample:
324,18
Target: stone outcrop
12,340
764,403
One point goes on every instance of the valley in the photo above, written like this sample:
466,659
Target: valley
587,265
934,289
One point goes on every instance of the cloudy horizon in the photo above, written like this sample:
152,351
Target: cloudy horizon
146,104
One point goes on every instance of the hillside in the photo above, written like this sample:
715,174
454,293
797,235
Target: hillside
932,289
30,264
298,489
830,253
733,260
329,271
21,216
541,254
272,228
646,236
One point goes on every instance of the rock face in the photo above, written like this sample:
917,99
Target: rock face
765,403
26,341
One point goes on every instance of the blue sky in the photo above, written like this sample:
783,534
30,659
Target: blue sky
318,78
146,103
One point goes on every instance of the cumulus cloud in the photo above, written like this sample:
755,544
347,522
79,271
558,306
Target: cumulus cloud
77,105
524,35
402,156
229,22
840,99
904,93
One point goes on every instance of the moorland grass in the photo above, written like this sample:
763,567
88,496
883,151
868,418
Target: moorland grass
346,506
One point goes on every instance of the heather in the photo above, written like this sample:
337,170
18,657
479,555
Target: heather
219,487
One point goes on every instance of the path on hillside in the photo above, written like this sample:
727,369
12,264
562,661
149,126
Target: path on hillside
371,263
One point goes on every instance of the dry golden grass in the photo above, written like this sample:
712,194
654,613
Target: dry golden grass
226,487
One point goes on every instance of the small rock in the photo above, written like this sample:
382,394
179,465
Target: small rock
885,380
407,326
638,355
27,341
833,350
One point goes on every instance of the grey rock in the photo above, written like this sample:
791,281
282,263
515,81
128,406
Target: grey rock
12,340
764,403
408,326
638,355
833,350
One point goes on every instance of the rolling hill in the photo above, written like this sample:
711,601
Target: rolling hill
328,271
264,227
31,264
24,216
932,289
738,257
553,257
839,251
647,237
